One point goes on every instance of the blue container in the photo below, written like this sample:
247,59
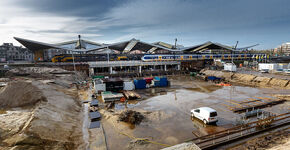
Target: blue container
156,83
140,84
163,82
211,78
156,78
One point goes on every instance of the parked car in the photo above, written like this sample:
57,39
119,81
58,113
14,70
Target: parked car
264,71
205,114
287,71
279,70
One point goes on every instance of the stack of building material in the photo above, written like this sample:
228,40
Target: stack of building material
140,83
129,85
110,97
98,77
130,95
114,84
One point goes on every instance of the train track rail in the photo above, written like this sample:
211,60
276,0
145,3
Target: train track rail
213,140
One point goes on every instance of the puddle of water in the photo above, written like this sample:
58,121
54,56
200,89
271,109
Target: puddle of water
174,124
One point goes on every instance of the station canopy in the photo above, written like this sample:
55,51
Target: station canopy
125,47
208,46
135,45
74,45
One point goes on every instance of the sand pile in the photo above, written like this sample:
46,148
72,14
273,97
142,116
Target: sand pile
248,79
29,70
20,93
54,124
35,71
279,82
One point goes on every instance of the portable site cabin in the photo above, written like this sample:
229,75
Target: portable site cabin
230,67
267,66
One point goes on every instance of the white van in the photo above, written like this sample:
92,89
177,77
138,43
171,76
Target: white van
205,114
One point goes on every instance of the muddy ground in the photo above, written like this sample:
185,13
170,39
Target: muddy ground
168,113
39,113
41,109
274,141
255,79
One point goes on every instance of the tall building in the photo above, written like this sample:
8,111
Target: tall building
283,49
9,52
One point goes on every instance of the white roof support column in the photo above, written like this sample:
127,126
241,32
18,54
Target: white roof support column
152,50
130,46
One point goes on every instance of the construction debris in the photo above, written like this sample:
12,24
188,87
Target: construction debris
131,116
250,104
130,95
110,97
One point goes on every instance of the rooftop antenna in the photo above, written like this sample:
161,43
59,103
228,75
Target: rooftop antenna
175,43
234,49
236,45
80,41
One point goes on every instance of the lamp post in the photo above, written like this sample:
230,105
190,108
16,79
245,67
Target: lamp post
72,53
108,55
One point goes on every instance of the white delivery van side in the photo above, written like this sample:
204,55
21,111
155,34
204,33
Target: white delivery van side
205,114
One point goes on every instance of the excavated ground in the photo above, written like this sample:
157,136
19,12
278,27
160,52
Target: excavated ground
40,114
258,80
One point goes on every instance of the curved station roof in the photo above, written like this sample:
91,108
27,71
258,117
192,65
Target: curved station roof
124,47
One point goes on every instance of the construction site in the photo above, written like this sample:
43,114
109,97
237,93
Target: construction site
136,95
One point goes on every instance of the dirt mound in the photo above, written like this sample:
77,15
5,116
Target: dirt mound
244,77
54,124
35,71
131,116
20,93
279,82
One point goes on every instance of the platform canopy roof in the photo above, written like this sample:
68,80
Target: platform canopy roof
134,44
88,46
81,45
207,46
75,45
167,45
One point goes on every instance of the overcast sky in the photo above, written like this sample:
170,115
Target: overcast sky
192,22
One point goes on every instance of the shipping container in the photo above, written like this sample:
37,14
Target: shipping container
163,82
129,85
113,84
148,80
140,83
156,83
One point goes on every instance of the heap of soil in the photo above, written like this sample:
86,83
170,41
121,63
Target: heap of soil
19,94
131,116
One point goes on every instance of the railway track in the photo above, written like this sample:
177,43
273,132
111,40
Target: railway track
213,140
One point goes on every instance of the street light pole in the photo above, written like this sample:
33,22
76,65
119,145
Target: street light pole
108,55
73,61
